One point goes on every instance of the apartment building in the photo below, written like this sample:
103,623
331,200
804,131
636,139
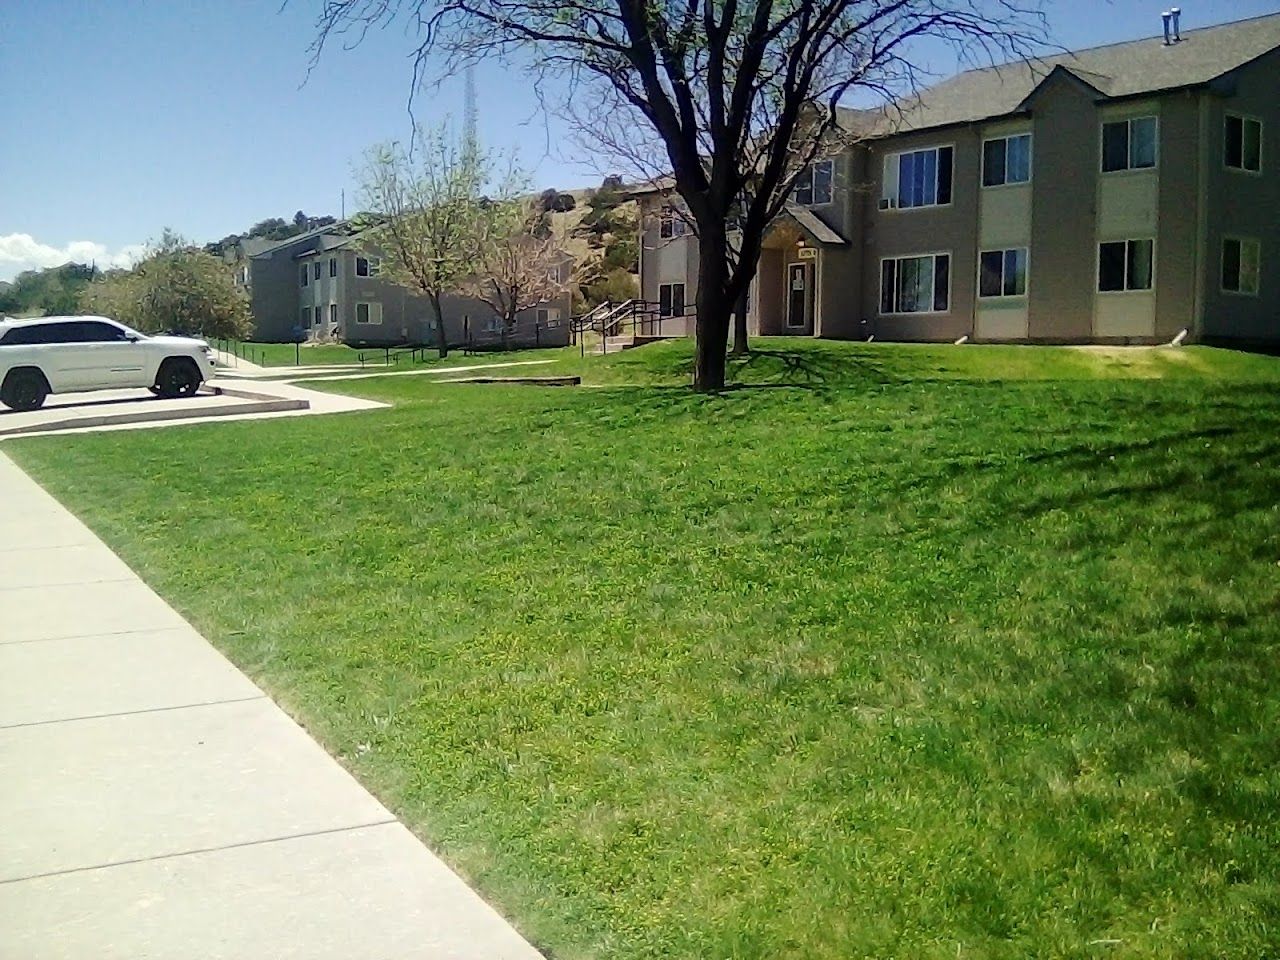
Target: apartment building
1120,194
325,283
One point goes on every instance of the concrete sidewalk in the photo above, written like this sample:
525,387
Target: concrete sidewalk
155,803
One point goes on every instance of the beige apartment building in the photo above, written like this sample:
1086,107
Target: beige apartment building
1121,194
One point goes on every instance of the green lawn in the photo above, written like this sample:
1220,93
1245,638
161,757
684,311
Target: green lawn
943,652
326,354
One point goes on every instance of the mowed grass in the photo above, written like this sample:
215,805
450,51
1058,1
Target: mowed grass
946,652
334,354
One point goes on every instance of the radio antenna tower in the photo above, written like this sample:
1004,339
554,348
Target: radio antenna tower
470,139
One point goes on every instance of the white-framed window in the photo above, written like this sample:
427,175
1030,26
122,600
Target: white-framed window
1129,144
1006,160
813,187
333,266
671,300
333,314
319,316
919,284
367,266
671,224
243,276
1242,149
1241,265
548,316
315,270
1002,273
918,178
370,313
1126,265
304,274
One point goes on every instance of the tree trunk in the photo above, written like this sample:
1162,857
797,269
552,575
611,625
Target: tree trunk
442,335
711,326
740,346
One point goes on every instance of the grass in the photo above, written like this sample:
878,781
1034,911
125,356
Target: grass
947,652
333,354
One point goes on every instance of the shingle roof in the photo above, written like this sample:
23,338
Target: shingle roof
812,225
1125,69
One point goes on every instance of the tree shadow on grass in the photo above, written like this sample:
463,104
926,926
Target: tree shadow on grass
812,369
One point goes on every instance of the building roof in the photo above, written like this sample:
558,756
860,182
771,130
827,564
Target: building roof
1118,70
814,226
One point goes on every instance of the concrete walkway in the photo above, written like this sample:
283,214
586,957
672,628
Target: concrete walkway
155,803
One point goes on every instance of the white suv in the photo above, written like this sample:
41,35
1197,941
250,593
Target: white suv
74,354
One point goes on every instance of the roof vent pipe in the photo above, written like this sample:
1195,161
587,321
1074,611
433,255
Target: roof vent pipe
1167,17
1177,24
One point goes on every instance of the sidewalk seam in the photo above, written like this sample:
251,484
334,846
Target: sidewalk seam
130,713
198,850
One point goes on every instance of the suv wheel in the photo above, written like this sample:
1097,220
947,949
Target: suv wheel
24,390
178,377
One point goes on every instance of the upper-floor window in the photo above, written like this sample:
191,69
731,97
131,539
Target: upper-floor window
1125,265
315,270
333,266
915,284
1006,160
1243,144
1241,265
242,276
813,187
305,274
1003,273
671,224
1129,144
921,178
367,266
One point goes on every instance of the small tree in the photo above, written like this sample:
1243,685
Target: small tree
430,215
175,287
519,264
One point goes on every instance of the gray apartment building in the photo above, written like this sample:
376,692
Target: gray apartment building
1120,194
326,284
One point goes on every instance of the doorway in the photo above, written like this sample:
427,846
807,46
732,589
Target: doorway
799,295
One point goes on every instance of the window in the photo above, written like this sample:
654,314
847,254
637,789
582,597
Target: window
333,314
333,266
1124,265
93,331
367,266
319,314
370,313
671,300
1006,160
548,316
306,275
315,268
671,225
243,276
306,318
915,284
1244,144
921,178
813,187
1129,144
1241,266
1003,273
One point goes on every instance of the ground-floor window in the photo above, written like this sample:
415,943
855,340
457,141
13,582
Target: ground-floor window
305,317
548,316
369,313
1003,273
1241,265
1125,265
333,314
916,284
319,313
671,300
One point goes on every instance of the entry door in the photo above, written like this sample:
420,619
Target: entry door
799,295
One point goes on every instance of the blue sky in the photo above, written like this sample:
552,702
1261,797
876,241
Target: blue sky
121,118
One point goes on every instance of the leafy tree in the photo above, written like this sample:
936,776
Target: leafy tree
177,287
52,291
731,99
431,215
519,260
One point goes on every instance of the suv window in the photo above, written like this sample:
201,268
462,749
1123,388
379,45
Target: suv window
95,331
27,335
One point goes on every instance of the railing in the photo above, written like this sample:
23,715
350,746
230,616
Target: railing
639,318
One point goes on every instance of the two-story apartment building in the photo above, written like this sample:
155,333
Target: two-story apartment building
326,284
1120,194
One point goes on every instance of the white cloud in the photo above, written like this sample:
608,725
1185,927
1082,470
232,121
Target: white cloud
21,251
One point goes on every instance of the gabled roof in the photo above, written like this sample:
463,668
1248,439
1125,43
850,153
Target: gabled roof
340,228
810,222
1118,70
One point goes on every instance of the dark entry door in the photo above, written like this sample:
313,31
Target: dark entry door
798,294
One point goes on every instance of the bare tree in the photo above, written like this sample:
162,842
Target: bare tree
733,99
430,215
520,262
